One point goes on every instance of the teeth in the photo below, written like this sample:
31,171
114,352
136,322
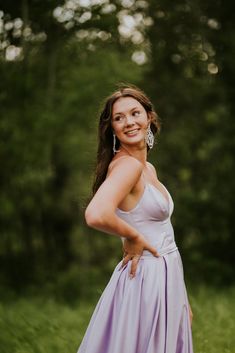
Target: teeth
132,132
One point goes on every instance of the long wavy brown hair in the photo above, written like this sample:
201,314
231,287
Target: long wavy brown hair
105,132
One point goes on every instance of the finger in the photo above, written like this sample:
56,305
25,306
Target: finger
125,260
134,264
153,251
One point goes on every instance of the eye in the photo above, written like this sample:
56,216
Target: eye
118,118
136,113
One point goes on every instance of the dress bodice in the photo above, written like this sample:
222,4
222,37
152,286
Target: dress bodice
151,217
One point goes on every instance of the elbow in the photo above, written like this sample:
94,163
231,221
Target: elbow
96,218
91,219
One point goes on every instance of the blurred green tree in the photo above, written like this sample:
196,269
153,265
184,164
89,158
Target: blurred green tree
191,81
57,62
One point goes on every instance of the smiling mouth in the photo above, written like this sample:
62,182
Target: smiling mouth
132,132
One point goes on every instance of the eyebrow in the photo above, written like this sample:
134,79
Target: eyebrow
123,113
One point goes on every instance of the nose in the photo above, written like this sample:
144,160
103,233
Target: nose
129,120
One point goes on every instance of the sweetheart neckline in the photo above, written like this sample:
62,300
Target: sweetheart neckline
168,194
142,196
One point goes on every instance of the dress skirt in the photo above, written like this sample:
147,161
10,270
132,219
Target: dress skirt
146,314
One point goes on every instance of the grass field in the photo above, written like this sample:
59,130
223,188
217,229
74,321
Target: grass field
42,325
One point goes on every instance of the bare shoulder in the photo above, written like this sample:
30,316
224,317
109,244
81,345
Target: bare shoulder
126,164
153,169
123,174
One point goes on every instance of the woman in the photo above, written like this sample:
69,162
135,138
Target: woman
144,308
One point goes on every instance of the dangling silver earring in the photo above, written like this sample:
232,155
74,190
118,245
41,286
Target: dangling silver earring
114,144
149,137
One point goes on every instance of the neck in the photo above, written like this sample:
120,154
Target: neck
139,153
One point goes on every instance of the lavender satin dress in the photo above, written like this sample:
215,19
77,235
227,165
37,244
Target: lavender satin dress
149,313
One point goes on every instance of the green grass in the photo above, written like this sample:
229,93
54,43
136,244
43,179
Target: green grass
42,325
214,320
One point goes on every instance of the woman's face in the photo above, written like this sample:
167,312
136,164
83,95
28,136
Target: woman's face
129,121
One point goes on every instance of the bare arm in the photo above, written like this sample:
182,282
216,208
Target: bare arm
100,213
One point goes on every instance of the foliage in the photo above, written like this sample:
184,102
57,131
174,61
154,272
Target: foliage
41,324
190,80
49,151
57,63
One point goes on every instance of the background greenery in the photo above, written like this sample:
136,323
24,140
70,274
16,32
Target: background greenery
58,61
37,325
